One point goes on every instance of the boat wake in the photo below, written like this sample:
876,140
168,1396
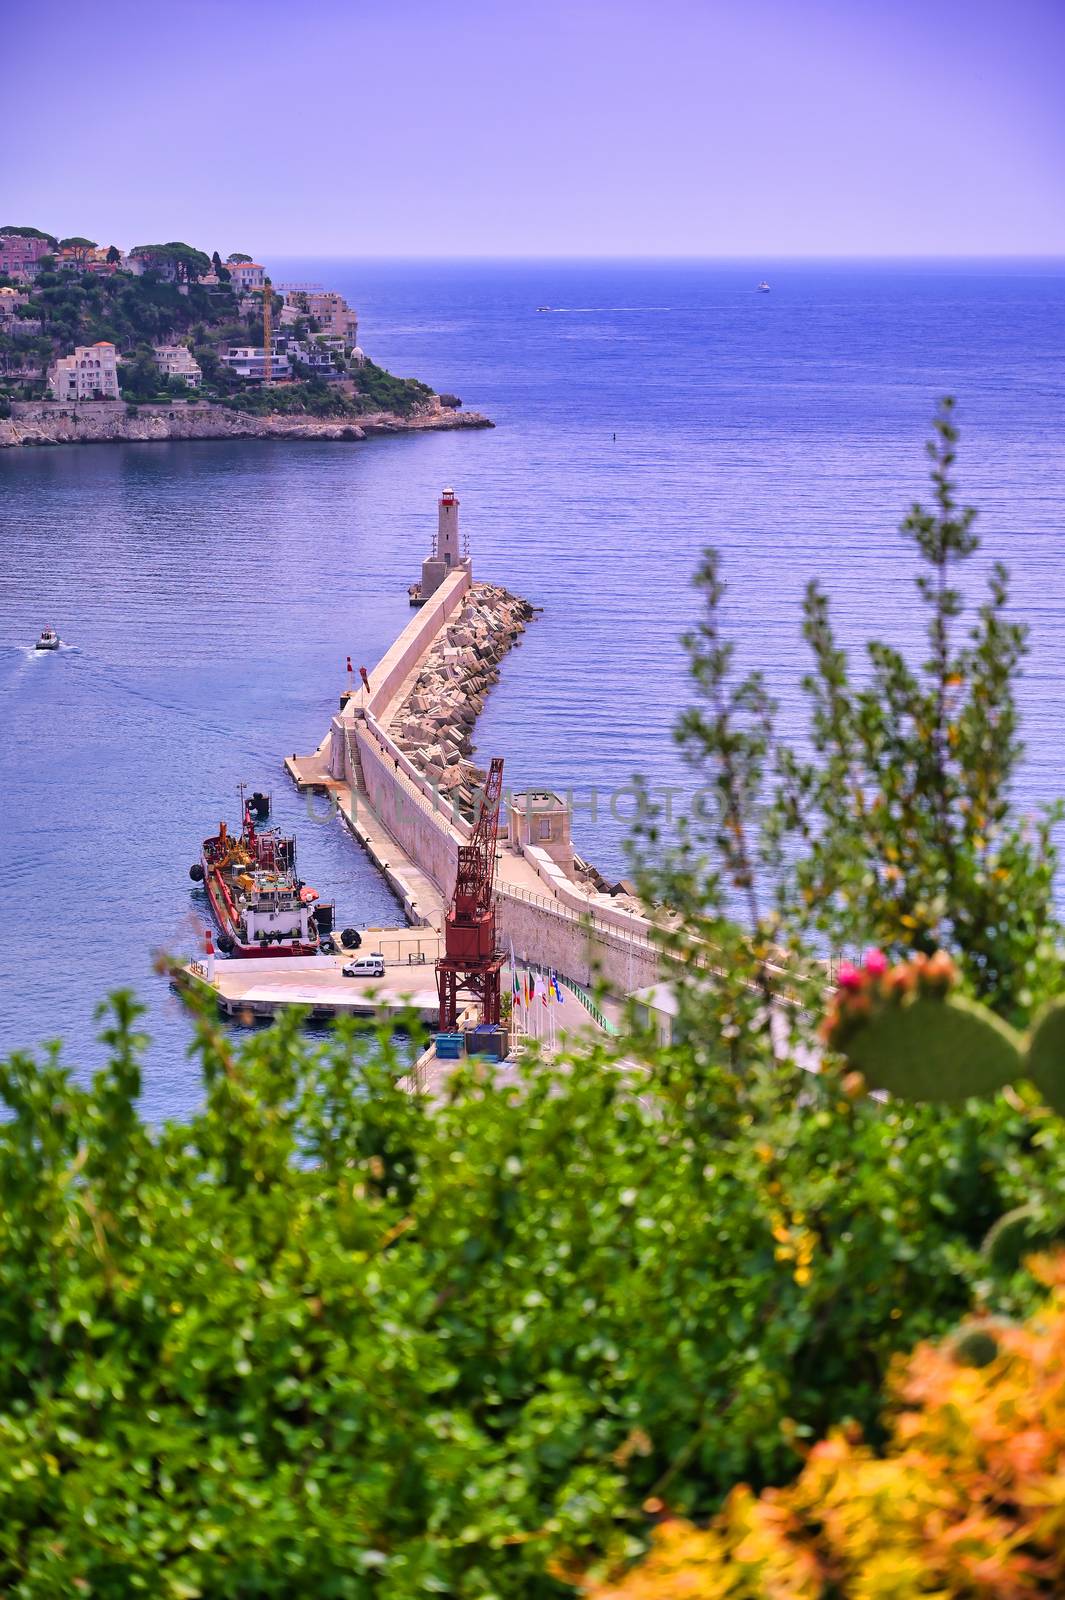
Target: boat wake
29,652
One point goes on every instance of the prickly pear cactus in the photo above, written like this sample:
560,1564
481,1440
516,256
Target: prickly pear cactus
1045,1060
1019,1233
943,1050
976,1344
904,1031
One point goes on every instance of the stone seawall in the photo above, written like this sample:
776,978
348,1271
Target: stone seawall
108,422
581,947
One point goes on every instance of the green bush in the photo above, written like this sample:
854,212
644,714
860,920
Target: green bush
328,1338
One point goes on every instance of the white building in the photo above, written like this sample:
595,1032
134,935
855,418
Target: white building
249,361
91,373
176,361
246,276
325,356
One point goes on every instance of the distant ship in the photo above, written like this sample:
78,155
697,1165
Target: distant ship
49,640
543,308
763,287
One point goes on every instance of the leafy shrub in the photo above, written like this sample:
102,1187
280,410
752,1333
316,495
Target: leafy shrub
325,1337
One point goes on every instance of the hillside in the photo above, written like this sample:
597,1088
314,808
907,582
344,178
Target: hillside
75,300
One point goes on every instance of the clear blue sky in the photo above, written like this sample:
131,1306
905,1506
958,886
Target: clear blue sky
564,127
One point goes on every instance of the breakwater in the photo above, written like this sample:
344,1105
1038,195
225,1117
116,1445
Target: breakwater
433,721
34,423
395,759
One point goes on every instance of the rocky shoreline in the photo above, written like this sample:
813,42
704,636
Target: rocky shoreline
433,724
34,423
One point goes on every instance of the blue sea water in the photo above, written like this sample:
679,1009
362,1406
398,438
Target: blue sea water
210,591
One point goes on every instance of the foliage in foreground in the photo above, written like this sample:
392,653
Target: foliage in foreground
889,819
966,1499
327,1338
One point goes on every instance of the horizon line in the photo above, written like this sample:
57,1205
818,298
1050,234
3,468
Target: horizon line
745,258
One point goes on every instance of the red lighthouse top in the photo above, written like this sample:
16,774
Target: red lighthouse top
447,497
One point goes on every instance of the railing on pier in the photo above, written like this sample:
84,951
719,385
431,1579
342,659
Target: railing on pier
589,1004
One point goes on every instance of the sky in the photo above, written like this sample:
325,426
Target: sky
751,128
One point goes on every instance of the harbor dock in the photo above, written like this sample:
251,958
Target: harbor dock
251,990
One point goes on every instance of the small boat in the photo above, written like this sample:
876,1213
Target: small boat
543,308
49,640
763,287
261,906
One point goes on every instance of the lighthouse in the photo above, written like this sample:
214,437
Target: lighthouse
447,552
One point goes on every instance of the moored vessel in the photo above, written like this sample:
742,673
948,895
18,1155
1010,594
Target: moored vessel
261,905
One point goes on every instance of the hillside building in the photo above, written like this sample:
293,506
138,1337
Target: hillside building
20,257
247,277
249,361
91,373
176,361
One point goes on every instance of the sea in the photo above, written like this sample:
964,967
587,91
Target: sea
210,592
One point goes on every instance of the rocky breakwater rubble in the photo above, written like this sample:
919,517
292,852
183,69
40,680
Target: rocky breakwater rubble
434,723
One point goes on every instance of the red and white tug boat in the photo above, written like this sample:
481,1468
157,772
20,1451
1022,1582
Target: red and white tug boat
261,906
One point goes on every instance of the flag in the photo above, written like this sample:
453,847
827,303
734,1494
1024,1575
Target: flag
515,982
530,988
541,987
556,986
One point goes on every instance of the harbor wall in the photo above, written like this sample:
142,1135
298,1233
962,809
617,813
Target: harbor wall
416,640
589,952
417,816
373,747
410,817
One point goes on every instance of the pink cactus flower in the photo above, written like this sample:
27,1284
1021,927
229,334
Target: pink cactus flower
848,976
875,963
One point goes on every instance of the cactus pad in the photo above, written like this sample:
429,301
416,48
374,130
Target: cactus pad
936,1049
1045,1062
1020,1233
976,1344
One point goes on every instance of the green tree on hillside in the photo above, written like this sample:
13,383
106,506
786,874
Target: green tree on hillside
187,263
79,248
29,233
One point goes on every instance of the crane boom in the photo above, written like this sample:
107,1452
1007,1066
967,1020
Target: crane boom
268,314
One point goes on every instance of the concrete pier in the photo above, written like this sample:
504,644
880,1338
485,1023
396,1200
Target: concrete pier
250,990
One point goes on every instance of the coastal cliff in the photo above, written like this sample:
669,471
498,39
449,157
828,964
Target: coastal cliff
103,422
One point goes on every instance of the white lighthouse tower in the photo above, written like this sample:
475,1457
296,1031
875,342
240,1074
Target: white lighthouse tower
447,553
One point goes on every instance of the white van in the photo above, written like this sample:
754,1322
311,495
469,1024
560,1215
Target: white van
368,966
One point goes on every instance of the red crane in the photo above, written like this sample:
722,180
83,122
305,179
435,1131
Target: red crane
471,962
